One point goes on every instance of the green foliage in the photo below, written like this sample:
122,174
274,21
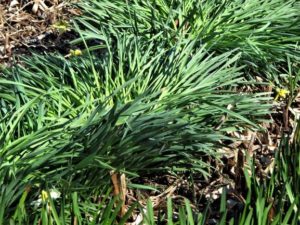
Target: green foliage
281,188
275,200
157,87
135,108
265,32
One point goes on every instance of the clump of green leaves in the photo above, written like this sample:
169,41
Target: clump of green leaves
265,32
157,88
136,107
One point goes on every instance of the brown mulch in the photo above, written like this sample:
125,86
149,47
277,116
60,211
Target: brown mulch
28,25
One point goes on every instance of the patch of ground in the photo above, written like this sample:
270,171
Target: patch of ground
38,25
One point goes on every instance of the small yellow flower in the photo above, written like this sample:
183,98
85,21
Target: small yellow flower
76,52
44,195
61,26
281,93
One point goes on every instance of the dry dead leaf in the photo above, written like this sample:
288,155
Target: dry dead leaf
39,4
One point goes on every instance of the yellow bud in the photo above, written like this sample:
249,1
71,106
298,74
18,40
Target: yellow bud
44,195
61,26
281,93
76,52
